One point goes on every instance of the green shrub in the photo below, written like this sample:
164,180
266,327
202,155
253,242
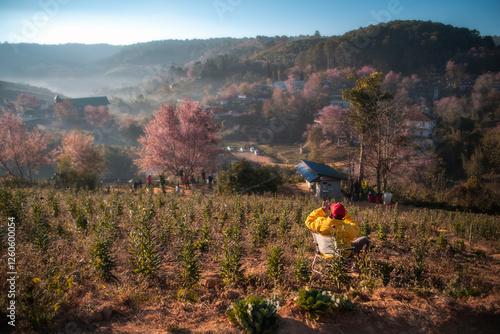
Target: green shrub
244,177
316,302
254,314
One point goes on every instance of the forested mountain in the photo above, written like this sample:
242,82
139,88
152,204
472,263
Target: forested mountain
401,46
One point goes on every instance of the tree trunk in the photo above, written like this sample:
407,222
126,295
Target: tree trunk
361,175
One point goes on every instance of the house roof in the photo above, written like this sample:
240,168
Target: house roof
90,101
313,171
419,116
86,101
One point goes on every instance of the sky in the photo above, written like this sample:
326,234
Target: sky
123,22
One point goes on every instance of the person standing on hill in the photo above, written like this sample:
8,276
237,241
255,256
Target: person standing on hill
185,180
339,223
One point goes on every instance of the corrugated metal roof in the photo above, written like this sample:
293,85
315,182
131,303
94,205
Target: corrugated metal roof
312,171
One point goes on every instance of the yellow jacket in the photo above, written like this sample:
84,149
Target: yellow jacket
346,228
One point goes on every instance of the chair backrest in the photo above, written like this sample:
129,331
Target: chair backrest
327,246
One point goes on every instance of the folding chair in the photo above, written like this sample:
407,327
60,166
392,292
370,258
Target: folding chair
326,247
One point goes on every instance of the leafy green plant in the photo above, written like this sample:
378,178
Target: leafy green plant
381,231
260,231
53,203
231,264
367,277
283,225
41,227
302,270
12,203
419,255
254,314
365,226
275,264
441,241
336,269
385,270
101,258
456,288
143,247
315,302
190,273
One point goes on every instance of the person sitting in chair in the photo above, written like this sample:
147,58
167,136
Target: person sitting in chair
339,223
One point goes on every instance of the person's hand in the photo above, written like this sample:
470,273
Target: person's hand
326,206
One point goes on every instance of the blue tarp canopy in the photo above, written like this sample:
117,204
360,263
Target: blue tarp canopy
313,171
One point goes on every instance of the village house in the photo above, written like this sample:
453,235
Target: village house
321,179
82,102
422,125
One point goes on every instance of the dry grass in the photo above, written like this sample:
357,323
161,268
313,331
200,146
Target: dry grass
456,289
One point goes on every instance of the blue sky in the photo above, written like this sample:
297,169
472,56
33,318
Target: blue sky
127,22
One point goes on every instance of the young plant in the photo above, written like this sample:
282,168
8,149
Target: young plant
254,314
336,268
190,274
365,226
301,269
260,231
441,241
368,280
283,225
143,247
231,264
101,258
41,227
419,254
53,204
275,264
381,231
385,270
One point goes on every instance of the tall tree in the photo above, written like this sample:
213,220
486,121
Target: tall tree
23,151
80,162
182,138
367,113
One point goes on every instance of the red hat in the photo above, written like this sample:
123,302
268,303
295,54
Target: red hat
338,211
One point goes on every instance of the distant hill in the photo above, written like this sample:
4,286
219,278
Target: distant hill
9,91
28,60
402,46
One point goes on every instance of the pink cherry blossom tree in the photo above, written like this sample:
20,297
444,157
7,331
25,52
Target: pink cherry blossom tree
23,151
24,101
334,122
182,138
79,160
97,116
